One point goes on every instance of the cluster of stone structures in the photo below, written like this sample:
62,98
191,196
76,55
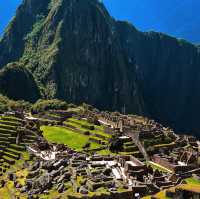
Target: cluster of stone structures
89,173
180,154
61,168
153,157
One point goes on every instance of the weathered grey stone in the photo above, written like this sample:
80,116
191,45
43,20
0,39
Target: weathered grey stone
30,196
23,189
83,190
61,178
2,183
18,186
35,166
107,172
112,189
61,188
33,173
54,173
43,183
60,163
11,176
25,164
48,165
34,191
29,184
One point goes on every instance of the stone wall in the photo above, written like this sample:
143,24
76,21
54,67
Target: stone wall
124,195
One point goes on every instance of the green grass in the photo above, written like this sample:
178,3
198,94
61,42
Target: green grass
64,136
85,122
159,146
192,181
10,123
105,152
158,167
54,116
5,126
160,195
92,132
47,120
77,123
11,118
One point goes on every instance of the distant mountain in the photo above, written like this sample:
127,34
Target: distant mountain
75,51
179,18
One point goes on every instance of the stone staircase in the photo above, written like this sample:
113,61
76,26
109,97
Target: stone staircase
10,152
136,141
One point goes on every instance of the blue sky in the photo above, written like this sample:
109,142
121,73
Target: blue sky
7,10
179,18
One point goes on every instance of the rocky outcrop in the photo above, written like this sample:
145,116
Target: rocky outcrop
18,83
77,52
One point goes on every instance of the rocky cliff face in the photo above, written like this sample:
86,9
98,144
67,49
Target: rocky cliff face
77,52
168,74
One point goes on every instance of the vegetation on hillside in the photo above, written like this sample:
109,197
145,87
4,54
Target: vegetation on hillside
45,105
18,83
7,105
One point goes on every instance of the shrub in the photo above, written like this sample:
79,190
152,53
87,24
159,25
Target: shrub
94,120
71,105
86,133
10,105
17,83
89,127
45,105
87,145
116,145
87,107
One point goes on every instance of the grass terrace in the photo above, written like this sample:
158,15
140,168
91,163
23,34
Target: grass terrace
97,133
159,167
192,181
72,139
82,123
11,118
11,153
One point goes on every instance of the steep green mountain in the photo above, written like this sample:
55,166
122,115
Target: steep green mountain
77,52
73,51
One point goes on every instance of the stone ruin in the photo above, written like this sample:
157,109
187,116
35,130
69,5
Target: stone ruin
47,151
61,168
95,171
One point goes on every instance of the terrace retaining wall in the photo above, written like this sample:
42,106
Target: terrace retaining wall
124,195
